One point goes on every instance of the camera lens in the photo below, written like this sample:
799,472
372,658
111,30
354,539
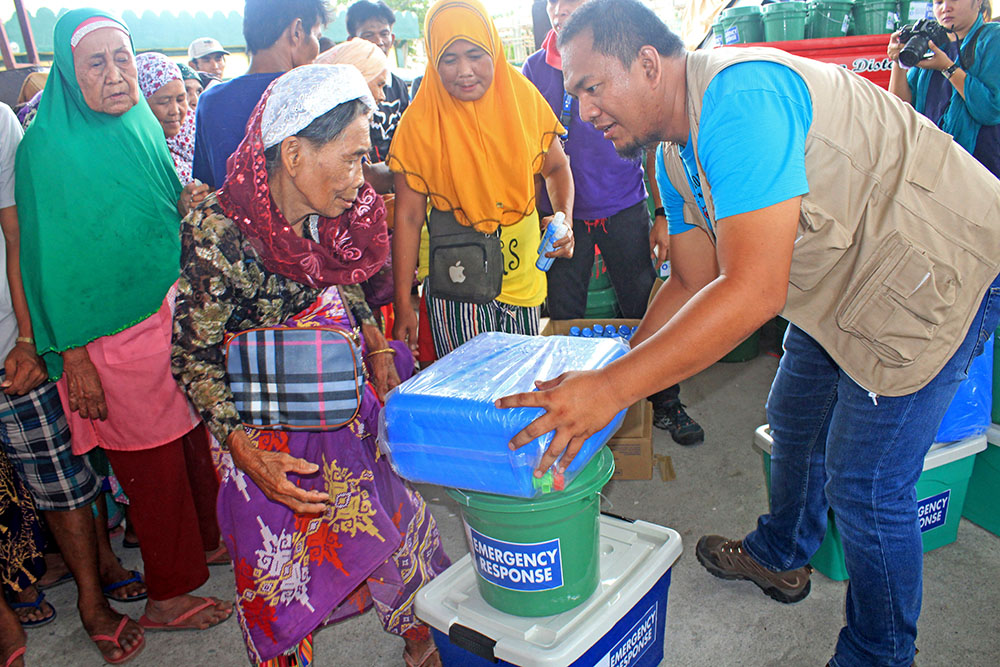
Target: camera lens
914,50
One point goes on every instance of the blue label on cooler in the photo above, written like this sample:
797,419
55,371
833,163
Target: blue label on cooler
933,511
515,566
633,646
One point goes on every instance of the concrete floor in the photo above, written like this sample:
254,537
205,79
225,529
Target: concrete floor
719,489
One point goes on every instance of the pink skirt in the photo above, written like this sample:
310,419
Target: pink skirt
146,408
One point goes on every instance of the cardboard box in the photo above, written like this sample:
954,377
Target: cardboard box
633,458
638,422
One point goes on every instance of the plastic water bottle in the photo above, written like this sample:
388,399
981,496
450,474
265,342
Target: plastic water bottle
574,331
556,230
625,332
598,330
610,332
587,333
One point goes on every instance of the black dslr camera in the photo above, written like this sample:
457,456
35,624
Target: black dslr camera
916,38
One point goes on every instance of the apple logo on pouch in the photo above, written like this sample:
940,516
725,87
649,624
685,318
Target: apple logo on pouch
457,272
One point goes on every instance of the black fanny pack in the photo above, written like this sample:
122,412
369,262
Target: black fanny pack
465,265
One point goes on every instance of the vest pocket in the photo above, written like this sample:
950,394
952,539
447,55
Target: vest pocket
900,299
818,248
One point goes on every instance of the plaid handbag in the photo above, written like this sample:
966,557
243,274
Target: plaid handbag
309,379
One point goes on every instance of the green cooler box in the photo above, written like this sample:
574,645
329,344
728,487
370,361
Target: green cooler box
941,492
982,503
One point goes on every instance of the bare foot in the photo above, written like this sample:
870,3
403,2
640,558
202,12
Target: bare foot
55,570
422,653
111,573
103,620
43,611
12,635
165,611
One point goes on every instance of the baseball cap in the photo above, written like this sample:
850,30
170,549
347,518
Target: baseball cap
204,46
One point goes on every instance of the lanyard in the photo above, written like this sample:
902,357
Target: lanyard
567,112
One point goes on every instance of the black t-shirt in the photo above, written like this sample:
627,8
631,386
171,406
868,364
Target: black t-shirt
386,117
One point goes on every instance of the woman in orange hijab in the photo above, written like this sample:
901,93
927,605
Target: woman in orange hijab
471,144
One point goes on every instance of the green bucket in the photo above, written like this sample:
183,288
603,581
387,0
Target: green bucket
742,25
828,18
875,17
719,34
538,556
745,351
601,304
784,21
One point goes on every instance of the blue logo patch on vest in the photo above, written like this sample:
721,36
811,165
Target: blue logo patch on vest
515,566
933,511
633,646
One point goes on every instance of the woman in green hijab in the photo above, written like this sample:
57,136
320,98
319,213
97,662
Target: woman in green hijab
100,207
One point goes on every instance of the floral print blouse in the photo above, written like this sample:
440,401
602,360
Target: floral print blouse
224,288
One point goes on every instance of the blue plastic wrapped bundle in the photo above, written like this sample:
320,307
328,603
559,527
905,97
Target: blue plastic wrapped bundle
442,427
969,412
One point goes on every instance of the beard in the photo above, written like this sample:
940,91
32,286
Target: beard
636,149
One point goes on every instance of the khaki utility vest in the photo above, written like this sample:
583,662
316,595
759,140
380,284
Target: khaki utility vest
899,236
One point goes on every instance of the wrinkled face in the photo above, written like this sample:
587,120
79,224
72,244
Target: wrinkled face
609,94
377,86
378,32
331,173
559,11
105,70
308,48
170,106
957,15
466,70
213,63
193,89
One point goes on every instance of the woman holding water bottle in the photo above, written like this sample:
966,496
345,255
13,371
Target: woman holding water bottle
472,144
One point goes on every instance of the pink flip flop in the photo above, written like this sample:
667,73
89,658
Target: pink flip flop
114,639
178,623
14,656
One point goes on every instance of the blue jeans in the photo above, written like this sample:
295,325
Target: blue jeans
837,446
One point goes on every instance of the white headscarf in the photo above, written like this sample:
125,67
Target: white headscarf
304,94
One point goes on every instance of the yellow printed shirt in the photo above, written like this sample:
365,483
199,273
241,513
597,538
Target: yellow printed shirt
523,283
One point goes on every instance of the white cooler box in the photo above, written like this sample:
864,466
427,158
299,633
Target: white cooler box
621,624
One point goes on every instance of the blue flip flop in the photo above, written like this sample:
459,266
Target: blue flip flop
136,578
37,604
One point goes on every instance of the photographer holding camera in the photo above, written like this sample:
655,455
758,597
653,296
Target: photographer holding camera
958,86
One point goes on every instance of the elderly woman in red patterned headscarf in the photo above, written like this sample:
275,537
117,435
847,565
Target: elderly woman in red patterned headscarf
284,243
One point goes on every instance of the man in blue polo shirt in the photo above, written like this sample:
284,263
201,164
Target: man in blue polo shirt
610,211
280,35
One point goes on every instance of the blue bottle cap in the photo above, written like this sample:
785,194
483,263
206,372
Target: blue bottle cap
624,331
574,331
587,333
598,329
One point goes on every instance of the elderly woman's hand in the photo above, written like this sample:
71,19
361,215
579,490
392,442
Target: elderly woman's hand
379,359
83,384
193,194
269,471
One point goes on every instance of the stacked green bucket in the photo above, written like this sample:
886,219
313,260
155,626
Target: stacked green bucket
560,527
877,17
829,18
741,25
602,303
784,21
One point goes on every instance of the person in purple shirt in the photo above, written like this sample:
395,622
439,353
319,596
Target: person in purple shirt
610,211
280,35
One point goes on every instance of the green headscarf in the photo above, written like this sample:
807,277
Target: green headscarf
97,201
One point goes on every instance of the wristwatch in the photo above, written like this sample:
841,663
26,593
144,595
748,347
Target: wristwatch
949,70
660,212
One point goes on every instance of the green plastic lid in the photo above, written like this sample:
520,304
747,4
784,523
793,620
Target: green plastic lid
831,3
588,481
794,7
736,12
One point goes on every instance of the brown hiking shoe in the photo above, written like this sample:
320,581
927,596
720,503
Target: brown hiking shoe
726,559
